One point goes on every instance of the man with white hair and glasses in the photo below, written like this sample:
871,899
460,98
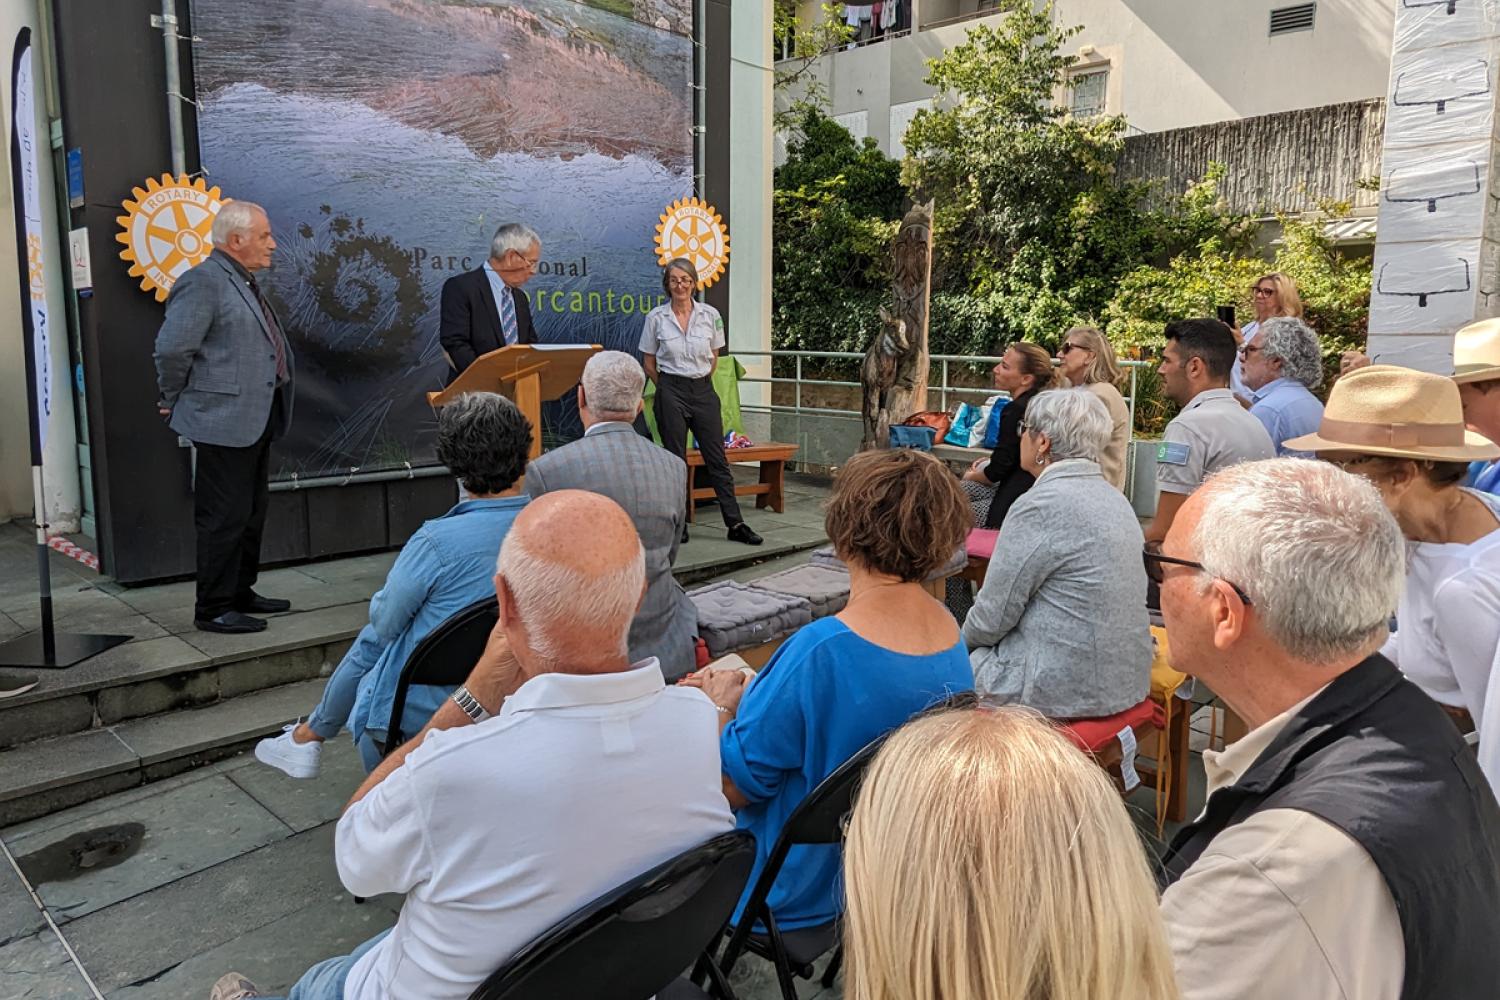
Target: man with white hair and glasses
486,309
224,377
649,482
1350,846
558,771
1283,364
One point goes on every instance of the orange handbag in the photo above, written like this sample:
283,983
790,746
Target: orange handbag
936,419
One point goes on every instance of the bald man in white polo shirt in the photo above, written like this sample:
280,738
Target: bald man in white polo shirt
557,772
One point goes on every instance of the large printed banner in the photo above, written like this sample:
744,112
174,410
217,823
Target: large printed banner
389,138
28,203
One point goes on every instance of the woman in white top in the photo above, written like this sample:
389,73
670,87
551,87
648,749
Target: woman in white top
1088,361
1273,294
680,345
1404,430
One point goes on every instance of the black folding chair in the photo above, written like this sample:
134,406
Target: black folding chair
636,941
818,819
444,657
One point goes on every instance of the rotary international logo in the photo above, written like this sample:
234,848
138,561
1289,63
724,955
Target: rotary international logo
691,228
165,230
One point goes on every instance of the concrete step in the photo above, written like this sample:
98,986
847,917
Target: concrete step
149,676
45,775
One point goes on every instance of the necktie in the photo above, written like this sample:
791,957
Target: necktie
508,316
273,332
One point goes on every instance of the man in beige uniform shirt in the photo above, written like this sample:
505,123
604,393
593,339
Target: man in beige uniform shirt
1352,790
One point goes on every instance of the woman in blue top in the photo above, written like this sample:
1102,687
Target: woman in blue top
446,565
894,517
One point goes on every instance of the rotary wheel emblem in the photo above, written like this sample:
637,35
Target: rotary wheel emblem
691,228
166,230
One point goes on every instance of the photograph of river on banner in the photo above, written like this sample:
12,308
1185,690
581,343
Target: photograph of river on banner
388,140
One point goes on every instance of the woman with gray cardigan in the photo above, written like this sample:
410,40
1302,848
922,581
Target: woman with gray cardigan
1060,623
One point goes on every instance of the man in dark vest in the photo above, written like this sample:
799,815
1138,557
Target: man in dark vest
1350,846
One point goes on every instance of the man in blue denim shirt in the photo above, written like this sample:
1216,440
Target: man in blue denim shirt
446,565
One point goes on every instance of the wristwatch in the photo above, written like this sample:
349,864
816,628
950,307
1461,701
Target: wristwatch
466,701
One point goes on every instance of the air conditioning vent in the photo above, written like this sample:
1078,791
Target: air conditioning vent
1285,20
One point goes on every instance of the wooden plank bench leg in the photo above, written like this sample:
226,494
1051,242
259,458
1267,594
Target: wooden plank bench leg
772,474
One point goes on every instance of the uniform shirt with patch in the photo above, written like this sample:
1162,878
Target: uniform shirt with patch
1211,433
690,353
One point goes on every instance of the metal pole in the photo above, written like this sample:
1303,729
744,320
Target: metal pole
700,114
43,567
168,25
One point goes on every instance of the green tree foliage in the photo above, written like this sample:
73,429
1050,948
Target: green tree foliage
837,204
1034,232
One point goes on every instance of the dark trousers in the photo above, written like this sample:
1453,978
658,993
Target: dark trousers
229,512
690,404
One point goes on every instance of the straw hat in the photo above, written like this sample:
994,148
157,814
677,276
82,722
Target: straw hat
1476,352
1399,412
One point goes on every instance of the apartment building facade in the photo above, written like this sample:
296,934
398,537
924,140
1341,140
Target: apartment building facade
1162,64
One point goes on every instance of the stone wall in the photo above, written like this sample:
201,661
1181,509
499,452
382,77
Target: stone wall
1283,162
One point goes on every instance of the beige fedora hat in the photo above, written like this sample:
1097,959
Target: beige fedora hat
1476,352
1399,412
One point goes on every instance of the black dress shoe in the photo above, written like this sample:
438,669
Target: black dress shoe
264,605
742,532
685,536
231,623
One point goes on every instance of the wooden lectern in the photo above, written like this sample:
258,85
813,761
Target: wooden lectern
526,374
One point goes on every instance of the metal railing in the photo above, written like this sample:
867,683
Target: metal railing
972,15
943,387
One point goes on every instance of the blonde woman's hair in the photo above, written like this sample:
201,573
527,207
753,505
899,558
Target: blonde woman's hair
1288,301
1104,367
988,859
1036,362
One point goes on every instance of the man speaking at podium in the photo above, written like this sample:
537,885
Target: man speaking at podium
485,309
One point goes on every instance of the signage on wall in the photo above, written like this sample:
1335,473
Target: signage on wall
691,228
166,230
83,272
75,177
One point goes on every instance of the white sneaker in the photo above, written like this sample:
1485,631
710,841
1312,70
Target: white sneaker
297,760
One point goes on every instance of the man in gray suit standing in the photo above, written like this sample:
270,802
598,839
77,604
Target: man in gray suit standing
649,482
224,371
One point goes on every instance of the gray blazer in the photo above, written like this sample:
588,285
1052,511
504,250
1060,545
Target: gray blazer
651,484
215,367
1060,623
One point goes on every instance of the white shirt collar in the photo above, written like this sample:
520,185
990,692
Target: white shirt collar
1225,767
551,691
600,425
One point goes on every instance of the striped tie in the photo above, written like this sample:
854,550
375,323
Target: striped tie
508,317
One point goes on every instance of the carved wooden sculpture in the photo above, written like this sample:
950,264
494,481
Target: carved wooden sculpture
894,374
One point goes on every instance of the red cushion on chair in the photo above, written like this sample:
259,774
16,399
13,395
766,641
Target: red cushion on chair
1094,734
981,542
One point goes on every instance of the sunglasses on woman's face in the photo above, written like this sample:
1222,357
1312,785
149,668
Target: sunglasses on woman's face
1264,291
1156,573
1070,347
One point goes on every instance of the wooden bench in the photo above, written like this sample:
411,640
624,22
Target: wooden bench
769,492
